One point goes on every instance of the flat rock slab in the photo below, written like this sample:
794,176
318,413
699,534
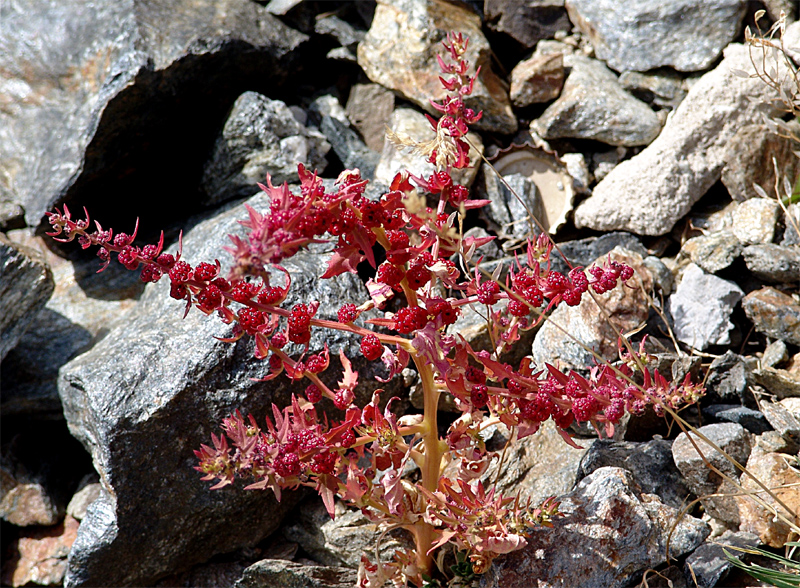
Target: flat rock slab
609,533
774,313
650,192
639,35
400,49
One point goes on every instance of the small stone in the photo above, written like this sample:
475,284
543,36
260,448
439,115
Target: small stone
701,307
279,572
604,161
727,379
791,221
25,500
713,252
774,313
528,23
665,90
749,160
40,555
773,263
774,472
537,79
260,137
708,563
773,442
569,328
578,169
369,107
413,124
754,221
400,53
774,354
662,275
640,35
88,491
593,105
515,203
735,442
752,420
783,420
781,383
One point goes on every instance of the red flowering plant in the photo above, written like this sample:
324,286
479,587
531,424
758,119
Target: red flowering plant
361,458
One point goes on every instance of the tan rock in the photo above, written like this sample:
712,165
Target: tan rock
41,555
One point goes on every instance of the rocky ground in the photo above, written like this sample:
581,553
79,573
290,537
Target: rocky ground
625,128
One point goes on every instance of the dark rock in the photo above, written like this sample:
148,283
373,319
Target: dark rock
774,313
350,149
369,107
593,105
617,531
122,85
700,479
26,284
749,160
727,379
713,252
344,33
515,203
526,22
650,463
701,307
791,221
708,563
640,36
260,137
752,420
400,50
153,390
773,263
537,79
287,574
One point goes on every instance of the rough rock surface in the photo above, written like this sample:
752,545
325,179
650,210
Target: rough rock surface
526,22
121,85
40,555
640,35
754,221
400,49
774,313
713,252
260,137
569,329
708,562
701,307
593,105
287,574
537,79
610,531
150,393
649,193
773,263
26,284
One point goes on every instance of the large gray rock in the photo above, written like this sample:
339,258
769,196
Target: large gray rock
640,35
123,86
610,532
260,137
649,193
400,49
153,390
701,307
593,105
26,284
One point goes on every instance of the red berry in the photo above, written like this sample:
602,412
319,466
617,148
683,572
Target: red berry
129,257
324,463
390,274
313,394
417,277
278,340
150,273
149,251
166,260
348,438
270,295
410,318
244,291
371,347
347,313
181,272
479,395
122,239
475,375
209,298
487,293
518,308
205,272
287,464
316,363
251,319
178,291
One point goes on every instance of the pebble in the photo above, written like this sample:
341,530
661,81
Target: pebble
713,252
537,79
774,313
773,263
754,221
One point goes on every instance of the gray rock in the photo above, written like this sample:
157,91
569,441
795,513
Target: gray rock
650,192
774,354
662,276
585,252
153,390
774,442
123,85
369,107
752,420
781,383
593,105
650,463
664,89
610,533
754,221
773,263
701,307
348,146
713,252
526,22
578,168
537,79
727,379
26,284
514,205
640,35
288,574
345,33
749,160
400,49
792,222
341,541
260,137
783,420
604,161
734,441
708,563
88,491
571,331
12,215
411,123
774,313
